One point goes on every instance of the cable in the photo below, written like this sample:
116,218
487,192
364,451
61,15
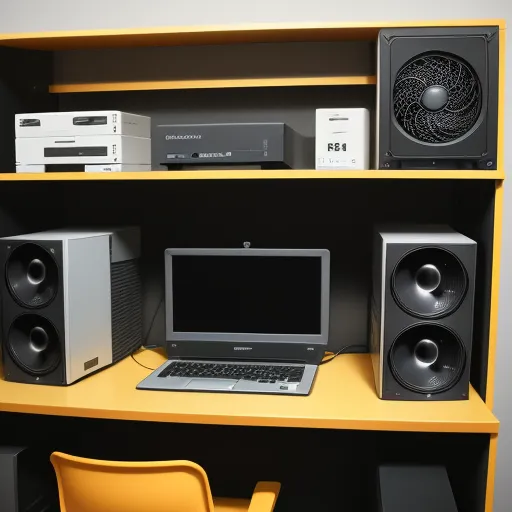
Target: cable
335,355
146,337
140,364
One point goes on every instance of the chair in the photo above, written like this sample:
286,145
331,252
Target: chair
88,485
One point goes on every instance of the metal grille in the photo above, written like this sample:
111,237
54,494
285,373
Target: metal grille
126,308
456,117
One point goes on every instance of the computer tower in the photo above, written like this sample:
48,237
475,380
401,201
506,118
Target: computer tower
414,488
437,98
71,303
421,313
27,481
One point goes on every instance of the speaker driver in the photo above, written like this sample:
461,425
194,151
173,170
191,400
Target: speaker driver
33,343
429,282
427,358
32,275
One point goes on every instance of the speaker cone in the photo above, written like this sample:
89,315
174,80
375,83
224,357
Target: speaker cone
33,343
427,358
32,275
429,282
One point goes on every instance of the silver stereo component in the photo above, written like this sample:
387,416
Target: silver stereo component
103,122
110,141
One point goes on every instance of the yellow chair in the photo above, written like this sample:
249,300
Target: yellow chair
88,485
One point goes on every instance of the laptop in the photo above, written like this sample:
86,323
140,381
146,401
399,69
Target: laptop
244,320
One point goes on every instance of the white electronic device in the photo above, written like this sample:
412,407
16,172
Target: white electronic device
342,139
102,122
35,153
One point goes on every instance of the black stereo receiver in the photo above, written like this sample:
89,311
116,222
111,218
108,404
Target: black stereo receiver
269,145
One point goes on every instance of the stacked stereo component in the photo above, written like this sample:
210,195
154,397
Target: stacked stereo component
437,98
422,313
104,141
71,303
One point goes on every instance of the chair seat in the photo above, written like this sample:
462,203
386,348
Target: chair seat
230,505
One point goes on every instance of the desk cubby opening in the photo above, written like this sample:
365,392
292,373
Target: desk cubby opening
319,469
337,215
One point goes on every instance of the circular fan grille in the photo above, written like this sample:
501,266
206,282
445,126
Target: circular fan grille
33,343
427,358
437,98
429,282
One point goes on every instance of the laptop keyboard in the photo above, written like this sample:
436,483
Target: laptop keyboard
253,372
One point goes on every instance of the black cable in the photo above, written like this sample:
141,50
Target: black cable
140,364
146,338
334,356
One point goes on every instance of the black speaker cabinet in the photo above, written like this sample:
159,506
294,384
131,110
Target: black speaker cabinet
415,489
421,318
437,98
27,481
71,303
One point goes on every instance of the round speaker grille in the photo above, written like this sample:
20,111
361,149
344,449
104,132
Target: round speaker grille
32,275
427,358
33,343
429,282
437,98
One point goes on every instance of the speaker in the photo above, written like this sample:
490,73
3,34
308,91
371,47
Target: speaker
27,481
437,98
415,488
421,318
71,303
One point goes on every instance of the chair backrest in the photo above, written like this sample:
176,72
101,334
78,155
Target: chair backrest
87,485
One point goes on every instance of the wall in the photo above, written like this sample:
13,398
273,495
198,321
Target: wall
38,15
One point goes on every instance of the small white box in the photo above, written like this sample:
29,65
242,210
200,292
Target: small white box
342,139
98,150
98,122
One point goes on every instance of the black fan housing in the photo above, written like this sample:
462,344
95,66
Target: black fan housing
438,98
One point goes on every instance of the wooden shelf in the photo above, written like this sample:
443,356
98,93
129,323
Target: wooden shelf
214,84
251,175
220,34
343,397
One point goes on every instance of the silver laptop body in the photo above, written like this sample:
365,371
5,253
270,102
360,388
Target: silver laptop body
261,316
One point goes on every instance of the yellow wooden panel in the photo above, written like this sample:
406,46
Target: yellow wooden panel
220,34
251,175
343,397
495,291
213,84
491,472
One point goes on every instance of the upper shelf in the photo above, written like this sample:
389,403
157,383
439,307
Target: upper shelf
343,397
219,34
228,83
234,174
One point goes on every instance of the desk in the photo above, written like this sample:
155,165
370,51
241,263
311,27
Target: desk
343,397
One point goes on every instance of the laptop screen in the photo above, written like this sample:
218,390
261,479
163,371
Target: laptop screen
254,294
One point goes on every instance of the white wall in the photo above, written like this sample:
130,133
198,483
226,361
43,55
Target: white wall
39,15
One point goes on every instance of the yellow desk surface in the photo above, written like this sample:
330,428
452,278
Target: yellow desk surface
343,397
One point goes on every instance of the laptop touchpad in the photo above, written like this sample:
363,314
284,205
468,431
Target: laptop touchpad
213,384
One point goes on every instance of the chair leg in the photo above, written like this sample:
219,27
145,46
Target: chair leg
264,497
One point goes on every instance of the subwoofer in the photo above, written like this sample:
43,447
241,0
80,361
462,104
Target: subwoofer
437,98
27,481
421,319
415,488
71,303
